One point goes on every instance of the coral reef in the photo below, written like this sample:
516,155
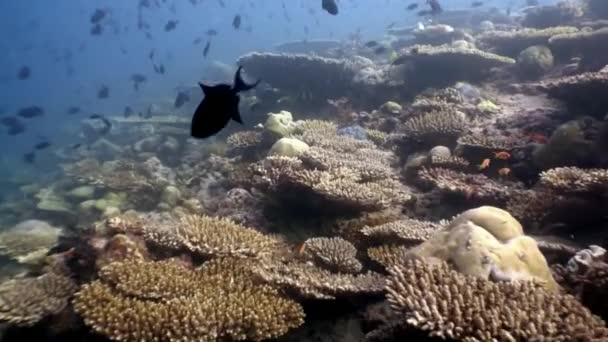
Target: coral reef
435,127
447,304
575,180
511,43
29,241
562,13
405,231
535,61
27,301
469,185
590,44
145,301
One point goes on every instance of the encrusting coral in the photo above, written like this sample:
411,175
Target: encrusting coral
209,236
27,301
334,254
149,304
447,304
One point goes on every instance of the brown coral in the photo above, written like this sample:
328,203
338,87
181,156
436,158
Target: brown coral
26,301
435,127
448,304
217,308
309,281
388,255
334,254
575,180
406,230
472,186
209,236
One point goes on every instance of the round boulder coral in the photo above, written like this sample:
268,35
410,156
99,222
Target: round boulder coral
535,61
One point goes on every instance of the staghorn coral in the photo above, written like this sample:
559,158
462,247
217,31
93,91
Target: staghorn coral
511,43
435,126
244,140
29,241
27,301
406,230
209,236
582,92
334,254
388,255
218,307
447,304
309,281
472,186
575,180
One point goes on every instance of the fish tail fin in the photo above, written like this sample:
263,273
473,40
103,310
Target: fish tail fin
239,84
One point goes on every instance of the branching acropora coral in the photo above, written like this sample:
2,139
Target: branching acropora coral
209,236
27,301
512,43
388,255
406,230
447,304
474,186
150,305
575,180
435,125
334,254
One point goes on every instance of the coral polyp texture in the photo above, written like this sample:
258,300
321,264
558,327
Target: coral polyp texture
27,301
149,305
334,254
469,185
447,304
405,231
435,126
209,236
575,180
309,281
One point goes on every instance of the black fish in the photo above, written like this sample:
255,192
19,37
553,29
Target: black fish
197,41
170,25
137,80
330,6
105,121
181,98
103,92
73,110
159,69
206,49
435,6
97,16
42,145
221,103
424,13
371,44
236,22
128,112
30,112
10,121
97,30
24,73
29,157
222,3
75,146
211,32
412,6
477,4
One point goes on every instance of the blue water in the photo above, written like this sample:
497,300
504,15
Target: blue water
53,37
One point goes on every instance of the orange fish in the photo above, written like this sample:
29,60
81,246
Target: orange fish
505,171
484,164
503,155
538,138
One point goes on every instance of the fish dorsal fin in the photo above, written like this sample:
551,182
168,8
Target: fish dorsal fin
239,84
206,89
236,116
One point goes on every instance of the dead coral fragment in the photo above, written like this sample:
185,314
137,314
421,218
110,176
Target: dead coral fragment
309,281
406,230
334,254
217,308
210,236
448,304
27,301
575,180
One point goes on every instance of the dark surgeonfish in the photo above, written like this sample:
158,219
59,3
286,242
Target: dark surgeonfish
435,6
221,103
103,92
412,6
330,6
236,22
42,145
30,112
73,110
24,73
29,157
206,49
